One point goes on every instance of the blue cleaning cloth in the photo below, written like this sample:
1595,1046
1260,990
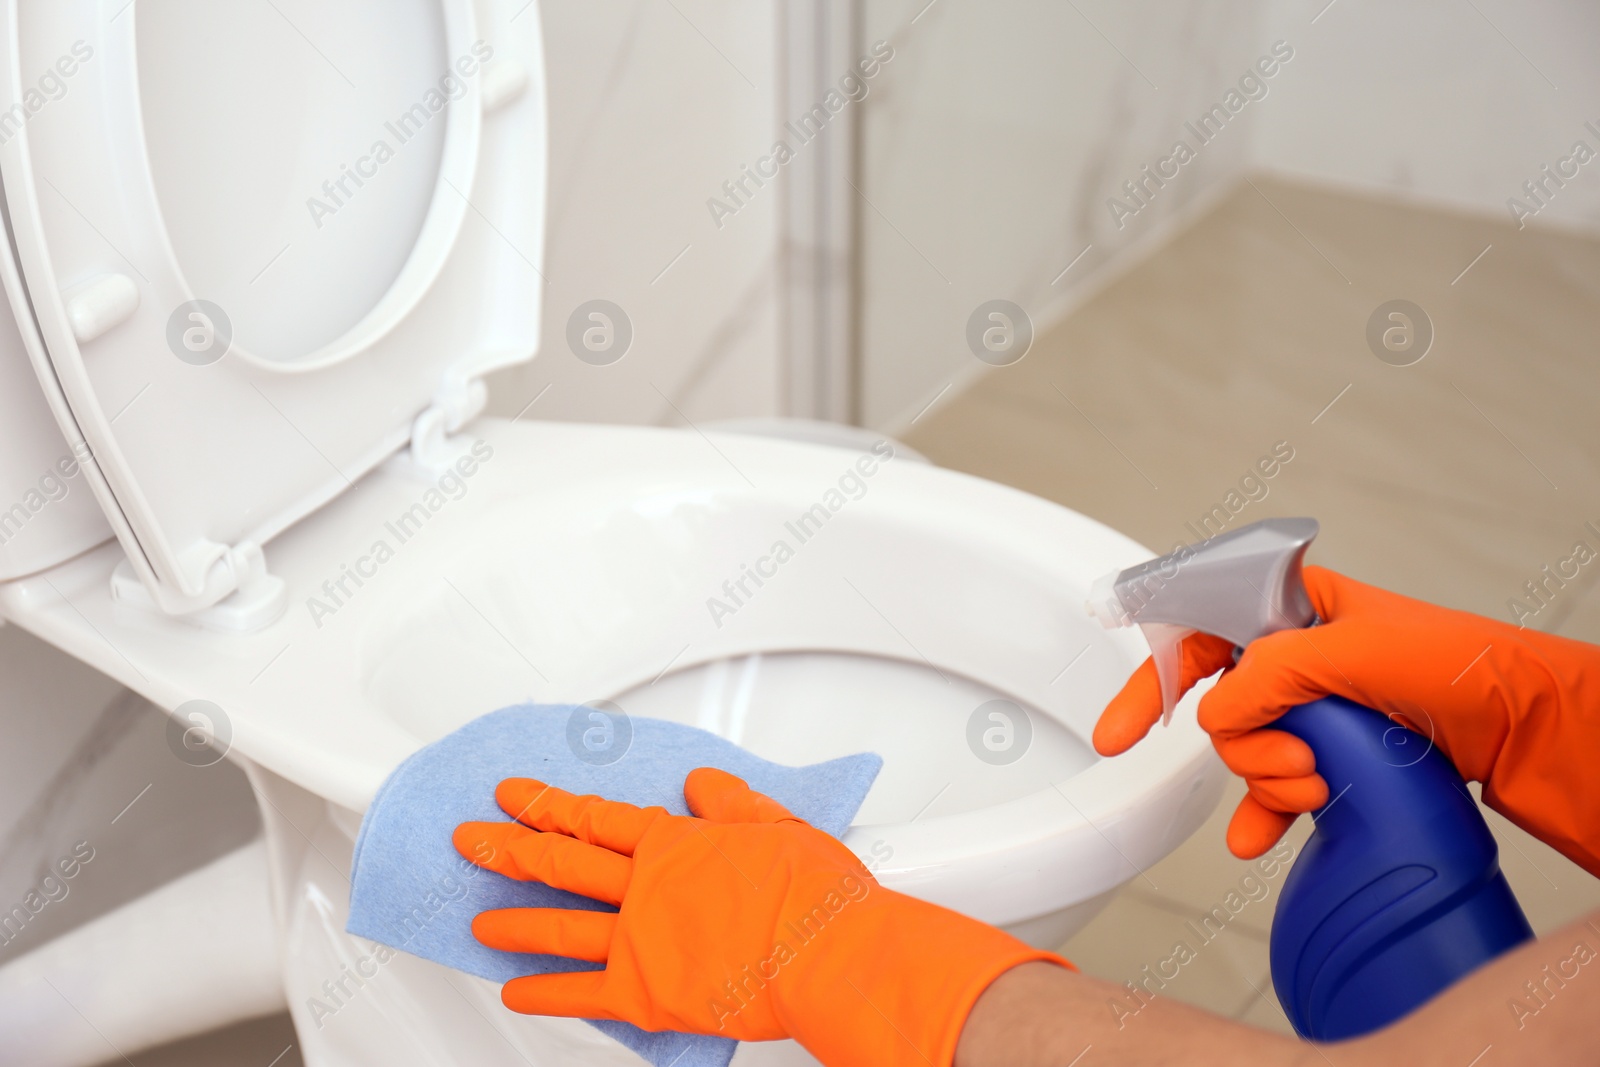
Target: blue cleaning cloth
411,890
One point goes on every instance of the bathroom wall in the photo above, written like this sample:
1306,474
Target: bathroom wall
97,803
652,107
991,148
1493,91
1000,131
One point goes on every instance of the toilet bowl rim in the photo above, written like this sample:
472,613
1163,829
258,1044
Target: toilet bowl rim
1119,789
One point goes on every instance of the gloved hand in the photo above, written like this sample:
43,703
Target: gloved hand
1514,709
744,921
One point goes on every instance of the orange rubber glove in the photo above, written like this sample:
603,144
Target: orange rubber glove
1512,708
744,921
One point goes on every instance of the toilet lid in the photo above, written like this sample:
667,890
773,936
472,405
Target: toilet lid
261,240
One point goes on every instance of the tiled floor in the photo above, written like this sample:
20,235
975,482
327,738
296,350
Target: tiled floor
1455,479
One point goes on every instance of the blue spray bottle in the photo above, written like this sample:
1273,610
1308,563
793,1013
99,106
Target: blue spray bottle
1398,892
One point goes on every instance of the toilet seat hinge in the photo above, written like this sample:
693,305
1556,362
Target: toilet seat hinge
456,404
239,594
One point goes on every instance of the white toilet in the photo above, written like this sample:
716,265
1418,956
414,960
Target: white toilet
303,537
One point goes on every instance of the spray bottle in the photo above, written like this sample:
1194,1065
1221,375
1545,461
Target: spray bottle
1398,892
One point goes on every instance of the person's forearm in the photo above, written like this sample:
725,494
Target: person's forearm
1039,1015
1539,1004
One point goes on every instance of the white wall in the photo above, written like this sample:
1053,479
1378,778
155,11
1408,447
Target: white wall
1454,103
652,107
992,144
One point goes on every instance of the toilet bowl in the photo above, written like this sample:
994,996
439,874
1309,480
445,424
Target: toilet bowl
306,542
577,566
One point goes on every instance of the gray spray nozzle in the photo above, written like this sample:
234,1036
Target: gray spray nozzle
1239,586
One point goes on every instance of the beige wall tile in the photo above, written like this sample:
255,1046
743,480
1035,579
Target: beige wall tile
1436,480
1265,1012
1136,941
1199,874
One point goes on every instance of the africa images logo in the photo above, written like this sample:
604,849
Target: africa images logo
452,484
737,591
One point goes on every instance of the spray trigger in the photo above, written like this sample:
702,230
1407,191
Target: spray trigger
1165,639
1238,585
1166,649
